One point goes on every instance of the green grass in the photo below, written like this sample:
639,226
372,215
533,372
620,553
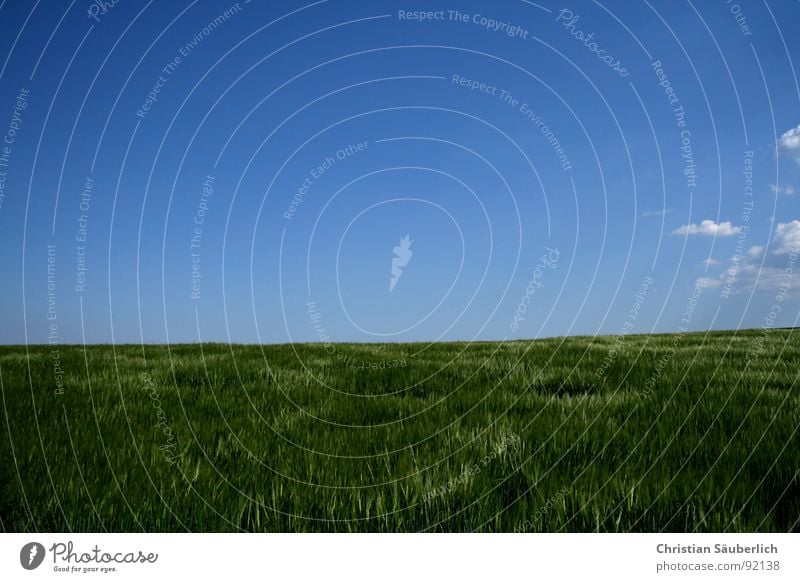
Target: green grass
692,432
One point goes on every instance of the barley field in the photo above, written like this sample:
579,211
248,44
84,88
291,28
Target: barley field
685,432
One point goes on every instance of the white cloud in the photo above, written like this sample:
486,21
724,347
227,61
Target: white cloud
755,251
787,238
775,278
662,212
789,143
711,262
769,273
707,282
751,275
787,189
709,228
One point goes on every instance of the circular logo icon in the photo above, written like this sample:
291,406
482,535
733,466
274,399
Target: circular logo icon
31,555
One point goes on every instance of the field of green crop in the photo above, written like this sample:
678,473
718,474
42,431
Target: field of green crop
695,432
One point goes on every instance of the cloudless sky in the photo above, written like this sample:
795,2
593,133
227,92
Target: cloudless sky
203,121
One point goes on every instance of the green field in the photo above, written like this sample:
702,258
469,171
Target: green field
694,432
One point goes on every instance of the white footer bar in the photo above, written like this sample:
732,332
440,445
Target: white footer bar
390,557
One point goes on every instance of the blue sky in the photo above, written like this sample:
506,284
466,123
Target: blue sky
244,172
